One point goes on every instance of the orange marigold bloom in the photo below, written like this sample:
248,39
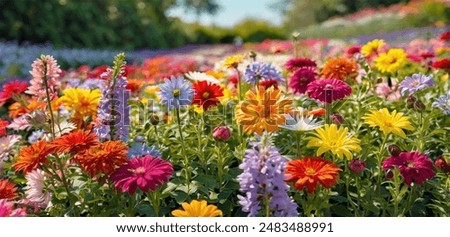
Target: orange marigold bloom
17,109
263,110
134,85
7,189
310,171
103,158
30,157
75,142
340,69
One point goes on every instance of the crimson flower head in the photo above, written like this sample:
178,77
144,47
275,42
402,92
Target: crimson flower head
445,36
414,167
11,88
145,173
300,80
354,49
206,94
296,63
3,125
328,90
442,64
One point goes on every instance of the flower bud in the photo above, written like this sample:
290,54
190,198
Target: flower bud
154,119
337,119
442,165
37,118
221,133
357,166
394,150
410,102
419,105
139,139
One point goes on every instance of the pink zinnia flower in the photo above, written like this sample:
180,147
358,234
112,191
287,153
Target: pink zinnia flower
354,49
328,90
20,123
145,173
7,209
46,66
414,167
383,90
300,80
35,189
296,63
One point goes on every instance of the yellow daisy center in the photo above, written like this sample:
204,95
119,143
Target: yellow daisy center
388,124
176,92
310,171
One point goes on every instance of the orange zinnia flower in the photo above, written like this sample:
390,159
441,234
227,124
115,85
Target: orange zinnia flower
134,85
340,69
75,142
30,157
263,110
310,171
7,189
103,158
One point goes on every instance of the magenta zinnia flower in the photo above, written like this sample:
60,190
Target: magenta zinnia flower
328,90
300,80
7,209
414,167
296,63
145,173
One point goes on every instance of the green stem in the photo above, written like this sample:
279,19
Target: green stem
299,136
239,84
183,147
156,201
328,109
380,161
347,189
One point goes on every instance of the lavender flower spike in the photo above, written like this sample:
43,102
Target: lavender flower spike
263,179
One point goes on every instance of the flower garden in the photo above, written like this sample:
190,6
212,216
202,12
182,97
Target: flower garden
302,128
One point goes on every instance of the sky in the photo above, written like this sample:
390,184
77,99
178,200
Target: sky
233,11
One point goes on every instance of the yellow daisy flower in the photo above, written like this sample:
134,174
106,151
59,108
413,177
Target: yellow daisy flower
233,61
372,47
197,208
84,102
388,122
227,95
263,110
336,140
391,61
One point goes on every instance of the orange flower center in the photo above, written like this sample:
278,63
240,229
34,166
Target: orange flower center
388,124
139,170
310,171
205,95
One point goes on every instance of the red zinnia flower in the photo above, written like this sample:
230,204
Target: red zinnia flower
300,80
3,125
354,49
103,158
442,165
310,171
269,83
75,142
442,64
145,173
30,157
134,85
11,88
445,36
328,90
413,166
297,63
7,190
206,94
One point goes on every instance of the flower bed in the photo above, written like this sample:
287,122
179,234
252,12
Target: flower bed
333,131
